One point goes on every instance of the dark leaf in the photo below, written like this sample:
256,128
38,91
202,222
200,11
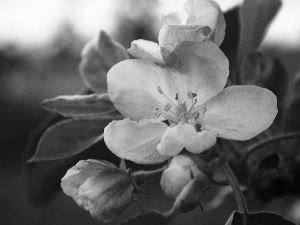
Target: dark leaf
273,161
292,118
152,218
82,106
259,163
230,43
69,138
259,218
255,17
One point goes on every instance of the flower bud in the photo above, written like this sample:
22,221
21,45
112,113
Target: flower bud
99,187
182,170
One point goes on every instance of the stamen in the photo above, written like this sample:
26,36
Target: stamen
167,116
194,102
157,114
181,110
161,92
196,116
168,107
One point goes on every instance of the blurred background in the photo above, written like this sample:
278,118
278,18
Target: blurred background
40,46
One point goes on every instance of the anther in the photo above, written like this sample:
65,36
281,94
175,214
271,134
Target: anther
157,114
168,107
159,90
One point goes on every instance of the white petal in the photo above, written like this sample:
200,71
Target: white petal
135,141
171,142
185,136
207,13
133,88
200,141
240,112
201,68
143,49
172,18
172,35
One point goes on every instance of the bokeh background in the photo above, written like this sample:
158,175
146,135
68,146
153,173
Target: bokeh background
40,45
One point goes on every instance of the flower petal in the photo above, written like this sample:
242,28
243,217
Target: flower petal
133,88
172,18
135,141
172,35
199,67
240,112
207,13
171,142
143,49
198,142
185,136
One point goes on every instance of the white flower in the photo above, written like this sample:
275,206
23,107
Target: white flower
182,105
205,21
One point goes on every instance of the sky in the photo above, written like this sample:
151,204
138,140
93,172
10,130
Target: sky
34,23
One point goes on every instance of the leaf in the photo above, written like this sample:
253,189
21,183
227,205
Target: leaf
292,118
82,106
230,44
150,218
259,218
69,138
269,168
98,56
255,17
272,161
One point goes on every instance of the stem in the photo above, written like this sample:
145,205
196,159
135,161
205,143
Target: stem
236,190
256,147
142,177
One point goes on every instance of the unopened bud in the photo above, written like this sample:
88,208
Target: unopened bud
100,188
182,170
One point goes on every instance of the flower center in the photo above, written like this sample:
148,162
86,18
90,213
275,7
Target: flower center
177,111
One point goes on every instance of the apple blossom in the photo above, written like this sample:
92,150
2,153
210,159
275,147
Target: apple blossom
182,105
